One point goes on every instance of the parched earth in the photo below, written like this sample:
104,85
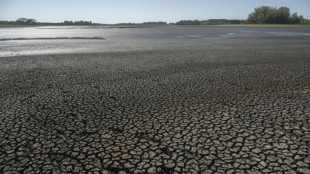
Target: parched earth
161,111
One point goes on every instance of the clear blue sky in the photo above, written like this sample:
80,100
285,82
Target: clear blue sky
117,11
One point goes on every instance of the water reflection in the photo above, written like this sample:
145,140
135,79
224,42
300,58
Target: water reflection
64,39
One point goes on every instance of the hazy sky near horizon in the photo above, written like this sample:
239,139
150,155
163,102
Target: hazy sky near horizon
118,11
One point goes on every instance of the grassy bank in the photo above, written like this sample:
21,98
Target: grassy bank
14,25
105,25
37,25
250,25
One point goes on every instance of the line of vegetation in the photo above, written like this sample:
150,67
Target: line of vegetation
25,21
77,22
261,15
251,25
31,22
272,15
20,21
144,23
210,22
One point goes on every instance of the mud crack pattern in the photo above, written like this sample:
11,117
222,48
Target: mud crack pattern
175,111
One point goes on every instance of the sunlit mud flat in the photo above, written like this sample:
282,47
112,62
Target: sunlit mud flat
155,100
61,39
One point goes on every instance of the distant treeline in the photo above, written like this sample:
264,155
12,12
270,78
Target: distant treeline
261,15
210,22
155,23
21,21
78,22
272,15
144,23
25,21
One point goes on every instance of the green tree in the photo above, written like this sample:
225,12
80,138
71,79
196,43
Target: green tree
295,19
269,15
31,21
283,15
261,15
264,13
21,20
26,21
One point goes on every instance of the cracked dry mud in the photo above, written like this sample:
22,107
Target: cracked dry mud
162,111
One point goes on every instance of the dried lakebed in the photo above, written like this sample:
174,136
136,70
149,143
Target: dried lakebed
160,111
